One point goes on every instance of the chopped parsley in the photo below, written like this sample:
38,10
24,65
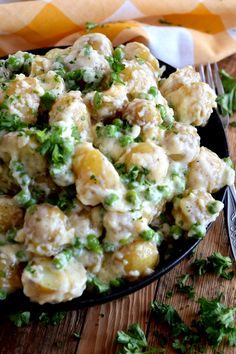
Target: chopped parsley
134,341
90,26
107,131
116,65
95,284
52,318
227,101
47,100
52,143
216,322
20,319
216,263
183,288
10,122
10,235
65,200
3,294
134,175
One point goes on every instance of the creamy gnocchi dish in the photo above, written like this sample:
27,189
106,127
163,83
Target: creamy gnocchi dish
95,148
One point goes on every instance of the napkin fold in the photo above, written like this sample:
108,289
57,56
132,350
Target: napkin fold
178,32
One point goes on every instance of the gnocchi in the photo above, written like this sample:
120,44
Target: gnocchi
95,148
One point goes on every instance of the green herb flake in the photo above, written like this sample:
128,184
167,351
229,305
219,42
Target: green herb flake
52,143
97,285
87,50
52,318
183,288
216,322
134,341
11,235
11,122
77,335
20,319
116,65
216,263
227,101
219,264
3,294
90,26
47,100
199,266
169,294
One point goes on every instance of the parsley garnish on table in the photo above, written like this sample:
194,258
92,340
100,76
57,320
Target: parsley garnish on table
214,325
20,319
227,101
134,341
52,318
185,288
216,263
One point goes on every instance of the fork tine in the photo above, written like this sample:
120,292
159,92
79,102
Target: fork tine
210,79
219,86
202,72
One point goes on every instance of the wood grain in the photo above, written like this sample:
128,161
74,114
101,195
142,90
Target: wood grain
98,325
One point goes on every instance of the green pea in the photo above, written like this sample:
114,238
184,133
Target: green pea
125,140
213,208
147,235
197,230
131,197
110,199
176,231
118,123
93,243
97,100
153,91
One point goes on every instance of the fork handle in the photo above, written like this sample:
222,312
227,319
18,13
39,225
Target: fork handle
230,217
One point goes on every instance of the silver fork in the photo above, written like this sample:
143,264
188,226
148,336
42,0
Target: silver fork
210,74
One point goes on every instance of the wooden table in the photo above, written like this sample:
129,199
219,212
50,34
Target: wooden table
98,325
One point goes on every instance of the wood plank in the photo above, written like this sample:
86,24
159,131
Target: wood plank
42,339
208,286
103,322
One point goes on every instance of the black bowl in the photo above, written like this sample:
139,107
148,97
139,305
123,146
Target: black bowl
213,137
